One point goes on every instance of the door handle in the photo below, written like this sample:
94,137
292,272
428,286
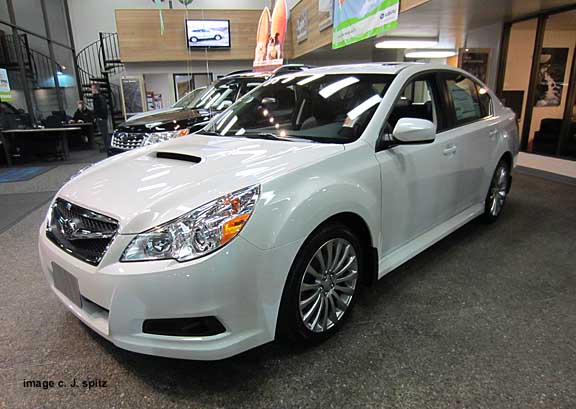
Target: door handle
493,133
449,150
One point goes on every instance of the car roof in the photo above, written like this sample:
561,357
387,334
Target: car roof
247,75
373,68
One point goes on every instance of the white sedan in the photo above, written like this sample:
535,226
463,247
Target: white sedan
269,222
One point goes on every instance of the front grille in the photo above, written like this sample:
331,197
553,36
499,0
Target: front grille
127,141
82,233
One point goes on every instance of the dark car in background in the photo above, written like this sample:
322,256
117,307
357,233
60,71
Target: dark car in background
191,112
187,115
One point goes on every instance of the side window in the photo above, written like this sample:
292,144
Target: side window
485,100
416,101
462,91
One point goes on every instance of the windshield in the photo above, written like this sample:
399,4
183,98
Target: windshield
220,95
332,108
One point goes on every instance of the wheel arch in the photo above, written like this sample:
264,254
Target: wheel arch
359,226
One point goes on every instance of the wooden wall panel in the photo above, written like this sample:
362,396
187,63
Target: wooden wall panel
140,40
317,38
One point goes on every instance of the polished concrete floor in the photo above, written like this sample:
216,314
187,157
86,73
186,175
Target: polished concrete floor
484,319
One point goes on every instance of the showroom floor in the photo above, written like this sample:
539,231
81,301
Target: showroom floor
483,319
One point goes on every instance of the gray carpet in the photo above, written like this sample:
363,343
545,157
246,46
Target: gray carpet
483,319
14,207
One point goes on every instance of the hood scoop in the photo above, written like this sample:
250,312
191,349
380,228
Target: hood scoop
178,156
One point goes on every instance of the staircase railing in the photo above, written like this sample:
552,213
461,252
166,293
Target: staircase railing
39,67
97,62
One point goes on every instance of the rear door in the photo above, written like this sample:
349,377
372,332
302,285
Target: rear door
475,130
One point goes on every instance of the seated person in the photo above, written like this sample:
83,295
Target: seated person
82,114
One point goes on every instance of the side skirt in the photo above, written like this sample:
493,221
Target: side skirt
427,239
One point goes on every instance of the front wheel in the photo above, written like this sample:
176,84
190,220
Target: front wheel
193,39
218,37
498,192
323,284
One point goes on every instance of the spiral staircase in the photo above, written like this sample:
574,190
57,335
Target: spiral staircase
99,62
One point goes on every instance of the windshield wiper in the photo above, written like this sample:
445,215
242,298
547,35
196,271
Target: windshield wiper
273,137
204,132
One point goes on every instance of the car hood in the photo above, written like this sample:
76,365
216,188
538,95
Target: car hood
155,119
142,190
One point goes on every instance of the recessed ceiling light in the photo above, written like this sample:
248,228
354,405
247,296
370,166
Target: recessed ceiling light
394,42
429,53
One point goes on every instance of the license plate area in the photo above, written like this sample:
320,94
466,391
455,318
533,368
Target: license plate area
67,284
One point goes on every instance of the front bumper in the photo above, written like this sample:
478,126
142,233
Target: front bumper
240,284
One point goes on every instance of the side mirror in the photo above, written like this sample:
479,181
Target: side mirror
414,131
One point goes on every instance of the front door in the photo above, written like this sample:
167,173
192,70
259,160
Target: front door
419,182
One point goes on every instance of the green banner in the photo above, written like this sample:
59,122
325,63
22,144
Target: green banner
356,20
5,94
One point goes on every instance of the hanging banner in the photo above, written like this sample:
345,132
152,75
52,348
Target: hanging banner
357,20
5,94
269,53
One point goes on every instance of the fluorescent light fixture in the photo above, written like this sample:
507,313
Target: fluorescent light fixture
397,42
230,124
431,53
364,106
333,88
309,79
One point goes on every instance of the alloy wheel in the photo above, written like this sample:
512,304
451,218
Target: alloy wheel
498,191
328,285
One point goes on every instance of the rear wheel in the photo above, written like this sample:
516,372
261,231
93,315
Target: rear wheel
193,39
218,37
498,192
323,284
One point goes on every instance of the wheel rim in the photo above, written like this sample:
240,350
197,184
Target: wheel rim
498,191
328,285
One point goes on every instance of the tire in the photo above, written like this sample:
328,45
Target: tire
193,39
335,290
218,37
497,193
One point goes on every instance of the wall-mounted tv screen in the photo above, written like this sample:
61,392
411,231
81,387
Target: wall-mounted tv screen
208,33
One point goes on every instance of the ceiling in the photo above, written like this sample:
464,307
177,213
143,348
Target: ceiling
450,21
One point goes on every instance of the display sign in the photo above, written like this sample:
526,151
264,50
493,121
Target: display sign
325,14
5,94
356,20
302,26
269,53
475,61
133,96
208,33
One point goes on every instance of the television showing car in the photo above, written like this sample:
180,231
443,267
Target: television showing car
208,33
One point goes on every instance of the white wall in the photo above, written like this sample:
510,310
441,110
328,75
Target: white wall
487,37
89,17
158,77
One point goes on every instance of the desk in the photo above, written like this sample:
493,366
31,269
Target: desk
87,129
11,137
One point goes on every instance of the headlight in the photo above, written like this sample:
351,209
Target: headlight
157,137
198,232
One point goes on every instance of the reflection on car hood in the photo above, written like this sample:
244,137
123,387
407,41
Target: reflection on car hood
142,191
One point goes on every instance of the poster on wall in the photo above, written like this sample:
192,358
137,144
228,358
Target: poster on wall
133,96
302,26
5,94
325,14
475,61
357,20
269,53
551,76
